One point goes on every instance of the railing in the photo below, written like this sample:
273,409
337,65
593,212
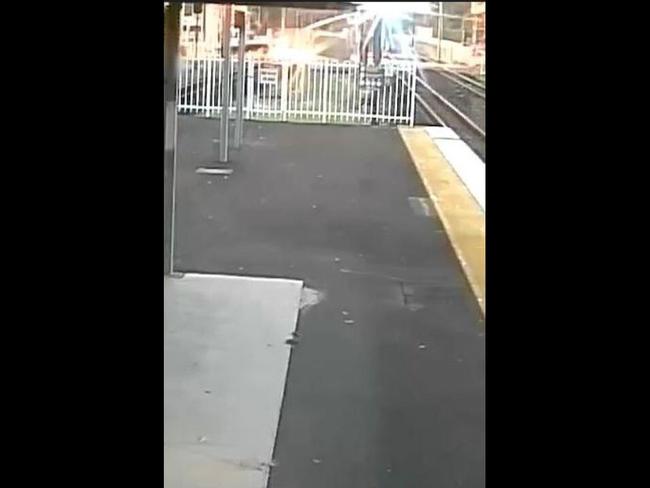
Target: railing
317,91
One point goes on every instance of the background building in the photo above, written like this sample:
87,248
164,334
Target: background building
200,30
477,8
201,25
477,13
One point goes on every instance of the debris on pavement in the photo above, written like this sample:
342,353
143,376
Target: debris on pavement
310,297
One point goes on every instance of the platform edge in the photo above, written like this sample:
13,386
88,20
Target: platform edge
461,215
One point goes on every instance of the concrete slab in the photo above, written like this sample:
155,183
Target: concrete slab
225,368
436,132
467,165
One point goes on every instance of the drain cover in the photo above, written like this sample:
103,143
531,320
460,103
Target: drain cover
416,295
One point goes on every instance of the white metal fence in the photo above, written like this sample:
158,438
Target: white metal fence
320,92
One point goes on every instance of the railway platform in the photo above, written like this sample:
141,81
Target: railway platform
381,379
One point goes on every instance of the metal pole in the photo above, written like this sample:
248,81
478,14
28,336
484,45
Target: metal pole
474,31
172,30
239,121
440,27
196,37
361,30
225,91
462,33
377,43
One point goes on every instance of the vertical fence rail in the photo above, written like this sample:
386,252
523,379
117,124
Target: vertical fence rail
248,103
412,95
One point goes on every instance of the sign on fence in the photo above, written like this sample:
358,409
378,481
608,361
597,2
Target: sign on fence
269,76
372,77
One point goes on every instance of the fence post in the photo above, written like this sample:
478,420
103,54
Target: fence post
171,39
284,91
225,92
241,66
209,89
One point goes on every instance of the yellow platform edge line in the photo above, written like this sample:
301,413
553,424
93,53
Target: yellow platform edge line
461,216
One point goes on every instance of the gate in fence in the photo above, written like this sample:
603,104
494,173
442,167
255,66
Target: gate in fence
317,92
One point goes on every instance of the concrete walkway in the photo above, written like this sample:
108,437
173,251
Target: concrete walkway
225,369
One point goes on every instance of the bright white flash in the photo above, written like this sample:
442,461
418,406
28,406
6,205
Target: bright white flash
393,15
395,9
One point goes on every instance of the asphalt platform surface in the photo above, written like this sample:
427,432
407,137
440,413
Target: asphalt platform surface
386,387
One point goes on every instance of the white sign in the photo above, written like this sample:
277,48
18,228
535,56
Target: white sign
269,76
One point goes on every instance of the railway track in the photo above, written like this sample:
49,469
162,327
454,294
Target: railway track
465,81
455,103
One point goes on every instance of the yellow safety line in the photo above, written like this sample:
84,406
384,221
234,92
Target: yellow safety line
461,215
